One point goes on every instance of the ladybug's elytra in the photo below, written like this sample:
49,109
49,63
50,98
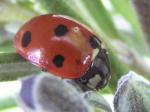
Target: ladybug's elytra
64,47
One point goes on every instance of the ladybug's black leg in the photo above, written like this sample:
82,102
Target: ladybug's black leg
98,73
44,70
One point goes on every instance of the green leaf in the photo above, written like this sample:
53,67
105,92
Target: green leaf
7,102
49,93
133,94
117,69
11,12
6,46
12,66
98,14
97,101
6,58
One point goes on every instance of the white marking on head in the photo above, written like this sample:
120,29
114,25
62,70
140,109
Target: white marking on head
93,82
95,52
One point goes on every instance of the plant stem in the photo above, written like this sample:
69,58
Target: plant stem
7,102
12,66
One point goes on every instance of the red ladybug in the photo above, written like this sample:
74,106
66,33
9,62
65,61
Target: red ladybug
65,48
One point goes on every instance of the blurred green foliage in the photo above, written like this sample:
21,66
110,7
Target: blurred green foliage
8,102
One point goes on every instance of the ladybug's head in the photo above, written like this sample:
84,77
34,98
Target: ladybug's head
98,74
63,47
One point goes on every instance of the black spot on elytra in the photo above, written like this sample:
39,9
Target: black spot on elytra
58,61
60,30
95,42
26,39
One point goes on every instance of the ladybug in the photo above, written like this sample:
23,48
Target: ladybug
66,48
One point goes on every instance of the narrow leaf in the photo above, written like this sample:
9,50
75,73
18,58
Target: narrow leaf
13,66
7,102
126,10
132,94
